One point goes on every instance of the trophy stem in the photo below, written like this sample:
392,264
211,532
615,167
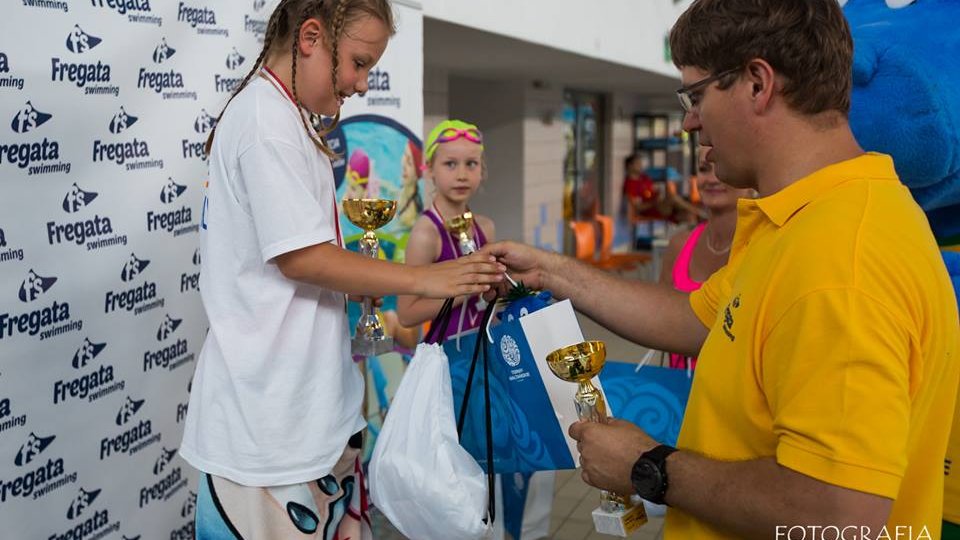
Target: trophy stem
371,338
590,403
369,244
467,245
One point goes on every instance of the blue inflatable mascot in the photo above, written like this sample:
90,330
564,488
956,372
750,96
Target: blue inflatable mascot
906,103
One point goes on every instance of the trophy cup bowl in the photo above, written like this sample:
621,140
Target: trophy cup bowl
369,214
370,338
576,362
580,363
461,225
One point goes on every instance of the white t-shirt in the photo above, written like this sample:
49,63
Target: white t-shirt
276,394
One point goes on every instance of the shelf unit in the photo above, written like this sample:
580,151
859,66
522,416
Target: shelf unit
669,149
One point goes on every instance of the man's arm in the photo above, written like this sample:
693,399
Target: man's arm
749,498
645,313
753,498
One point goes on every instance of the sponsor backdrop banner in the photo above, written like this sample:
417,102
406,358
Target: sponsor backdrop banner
104,109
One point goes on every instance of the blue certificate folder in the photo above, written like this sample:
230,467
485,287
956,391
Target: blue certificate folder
526,434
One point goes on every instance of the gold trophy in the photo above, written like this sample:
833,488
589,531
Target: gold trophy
461,226
370,338
579,363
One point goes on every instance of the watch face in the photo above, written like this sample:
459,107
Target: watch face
647,479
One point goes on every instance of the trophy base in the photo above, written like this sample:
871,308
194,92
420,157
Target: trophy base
622,523
363,347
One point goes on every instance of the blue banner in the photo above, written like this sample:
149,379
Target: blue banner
654,397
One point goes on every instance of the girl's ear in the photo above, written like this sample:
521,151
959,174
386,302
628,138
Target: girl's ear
311,37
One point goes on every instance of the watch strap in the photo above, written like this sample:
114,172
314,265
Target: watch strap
658,456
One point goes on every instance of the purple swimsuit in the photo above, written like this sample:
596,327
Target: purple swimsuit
449,250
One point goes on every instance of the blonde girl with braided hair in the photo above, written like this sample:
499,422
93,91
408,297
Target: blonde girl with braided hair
274,420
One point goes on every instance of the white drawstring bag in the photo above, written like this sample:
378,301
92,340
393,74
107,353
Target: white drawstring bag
422,480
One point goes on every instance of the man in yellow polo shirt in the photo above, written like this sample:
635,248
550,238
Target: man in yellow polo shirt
828,369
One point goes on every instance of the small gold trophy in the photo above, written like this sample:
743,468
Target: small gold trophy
461,226
579,363
370,338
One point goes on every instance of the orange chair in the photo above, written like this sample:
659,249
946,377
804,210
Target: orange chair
585,240
694,191
615,261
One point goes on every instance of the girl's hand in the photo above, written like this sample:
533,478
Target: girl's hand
377,302
469,275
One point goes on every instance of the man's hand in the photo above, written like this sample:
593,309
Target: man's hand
608,451
524,263
473,274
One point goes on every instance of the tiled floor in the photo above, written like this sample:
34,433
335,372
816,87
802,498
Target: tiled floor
573,500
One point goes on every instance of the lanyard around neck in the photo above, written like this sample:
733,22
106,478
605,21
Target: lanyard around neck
269,75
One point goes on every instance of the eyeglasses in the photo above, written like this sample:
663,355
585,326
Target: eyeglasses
686,94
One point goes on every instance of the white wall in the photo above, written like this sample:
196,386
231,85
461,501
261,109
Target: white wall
436,108
619,127
544,150
628,32
436,105
497,108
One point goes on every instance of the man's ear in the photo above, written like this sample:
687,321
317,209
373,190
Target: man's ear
311,36
762,79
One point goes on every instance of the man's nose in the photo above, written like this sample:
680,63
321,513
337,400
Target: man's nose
691,121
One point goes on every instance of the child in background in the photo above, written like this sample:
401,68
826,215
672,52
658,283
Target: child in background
642,195
648,199
274,418
454,162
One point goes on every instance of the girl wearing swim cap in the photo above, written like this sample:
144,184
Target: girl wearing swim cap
454,163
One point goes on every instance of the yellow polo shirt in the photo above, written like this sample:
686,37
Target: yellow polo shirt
833,343
951,474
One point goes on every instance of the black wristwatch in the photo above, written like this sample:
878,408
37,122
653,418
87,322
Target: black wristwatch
649,475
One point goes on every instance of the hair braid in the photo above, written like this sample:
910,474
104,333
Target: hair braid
271,33
339,18
318,140
339,15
